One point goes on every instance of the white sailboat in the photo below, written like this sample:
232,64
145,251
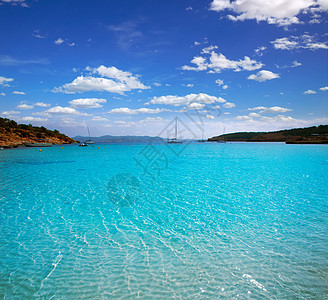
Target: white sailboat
89,141
175,140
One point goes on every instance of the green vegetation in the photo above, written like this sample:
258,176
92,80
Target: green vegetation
24,130
314,134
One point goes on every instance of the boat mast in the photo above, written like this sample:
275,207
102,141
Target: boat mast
89,132
176,128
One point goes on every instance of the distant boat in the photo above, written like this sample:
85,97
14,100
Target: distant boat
89,141
38,145
175,139
83,145
222,141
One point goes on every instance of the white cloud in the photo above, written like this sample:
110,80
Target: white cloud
304,41
243,118
272,109
98,118
18,93
42,104
196,43
2,94
259,50
22,3
4,81
324,88
87,103
279,12
229,105
25,106
59,41
130,111
210,117
263,75
296,64
33,119
119,82
10,112
254,115
64,111
157,84
185,100
309,92
188,8
189,85
38,35
218,62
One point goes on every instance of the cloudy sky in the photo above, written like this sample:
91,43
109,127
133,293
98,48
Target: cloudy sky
130,67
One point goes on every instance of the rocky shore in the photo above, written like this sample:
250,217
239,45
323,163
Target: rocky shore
13,135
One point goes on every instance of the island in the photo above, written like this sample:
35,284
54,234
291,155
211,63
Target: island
13,135
308,135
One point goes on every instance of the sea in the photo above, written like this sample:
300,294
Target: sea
164,221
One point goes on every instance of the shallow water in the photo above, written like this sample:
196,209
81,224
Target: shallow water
179,221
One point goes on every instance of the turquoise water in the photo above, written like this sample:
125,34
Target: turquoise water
186,222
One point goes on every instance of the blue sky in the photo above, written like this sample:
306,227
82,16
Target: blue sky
129,67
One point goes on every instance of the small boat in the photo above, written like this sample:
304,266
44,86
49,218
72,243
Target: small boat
38,145
89,141
175,139
83,145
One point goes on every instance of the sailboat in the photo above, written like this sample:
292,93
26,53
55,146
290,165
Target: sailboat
175,139
222,141
89,141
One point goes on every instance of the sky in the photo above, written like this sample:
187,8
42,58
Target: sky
130,67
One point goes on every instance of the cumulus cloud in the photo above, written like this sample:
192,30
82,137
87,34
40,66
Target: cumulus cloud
304,41
324,88
87,103
59,41
10,112
309,92
2,94
65,111
18,93
217,62
263,75
281,13
4,81
112,80
25,106
186,100
42,104
98,118
272,109
229,105
130,111
33,119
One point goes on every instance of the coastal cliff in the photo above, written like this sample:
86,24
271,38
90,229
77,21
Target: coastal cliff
308,135
13,134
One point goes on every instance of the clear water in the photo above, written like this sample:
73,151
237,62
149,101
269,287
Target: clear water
206,221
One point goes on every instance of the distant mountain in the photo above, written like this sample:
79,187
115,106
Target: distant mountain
128,139
308,135
13,134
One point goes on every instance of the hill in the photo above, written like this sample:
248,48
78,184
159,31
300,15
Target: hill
308,135
121,139
13,134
